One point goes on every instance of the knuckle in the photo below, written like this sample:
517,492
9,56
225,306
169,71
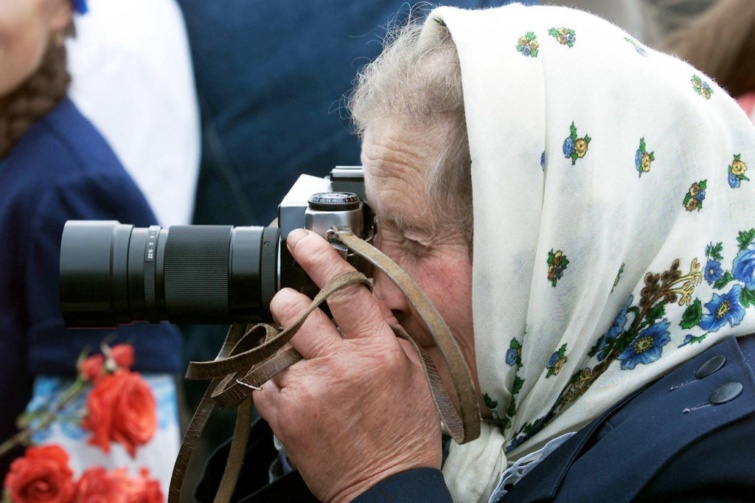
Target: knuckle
346,295
287,304
292,415
312,250
320,259
383,356
395,356
263,406
355,312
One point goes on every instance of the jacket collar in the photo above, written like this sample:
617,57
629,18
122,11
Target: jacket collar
545,480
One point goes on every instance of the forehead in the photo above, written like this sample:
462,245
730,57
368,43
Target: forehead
396,157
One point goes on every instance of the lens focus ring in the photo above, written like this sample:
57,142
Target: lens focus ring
193,253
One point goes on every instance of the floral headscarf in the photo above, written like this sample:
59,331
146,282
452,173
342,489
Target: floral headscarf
614,221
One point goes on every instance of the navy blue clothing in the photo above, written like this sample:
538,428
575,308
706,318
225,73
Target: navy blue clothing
420,484
667,442
61,169
270,77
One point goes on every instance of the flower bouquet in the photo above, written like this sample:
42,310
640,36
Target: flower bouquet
120,408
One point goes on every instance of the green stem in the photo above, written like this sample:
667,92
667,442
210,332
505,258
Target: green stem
23,436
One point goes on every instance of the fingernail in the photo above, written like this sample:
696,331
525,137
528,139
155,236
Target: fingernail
294,237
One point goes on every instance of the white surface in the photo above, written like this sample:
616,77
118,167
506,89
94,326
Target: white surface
132,77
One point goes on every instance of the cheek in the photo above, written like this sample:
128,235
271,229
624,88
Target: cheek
21,51
449,286
441,278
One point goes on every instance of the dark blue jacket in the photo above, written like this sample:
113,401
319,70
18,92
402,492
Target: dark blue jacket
270,78
669,442
61,169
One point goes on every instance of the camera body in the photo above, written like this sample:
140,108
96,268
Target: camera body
113,273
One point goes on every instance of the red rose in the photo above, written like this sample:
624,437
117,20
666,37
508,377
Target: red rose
93,368
96,485
135,420
123,355
141,489
41,476
122,408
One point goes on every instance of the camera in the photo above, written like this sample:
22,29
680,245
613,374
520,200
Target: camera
113,273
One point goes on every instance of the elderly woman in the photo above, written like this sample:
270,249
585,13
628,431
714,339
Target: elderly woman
578,208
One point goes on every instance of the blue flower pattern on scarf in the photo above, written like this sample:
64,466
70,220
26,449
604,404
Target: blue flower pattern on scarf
723,309
713,271
647,347
568,146
599,350
712,297
511,356
736,171
743,268
575,147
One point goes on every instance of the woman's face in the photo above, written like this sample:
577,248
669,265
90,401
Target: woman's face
395,159
26,27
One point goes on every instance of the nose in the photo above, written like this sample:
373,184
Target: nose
387,291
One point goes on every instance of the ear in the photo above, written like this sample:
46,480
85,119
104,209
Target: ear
59,14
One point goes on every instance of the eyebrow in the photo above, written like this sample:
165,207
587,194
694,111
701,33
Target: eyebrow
393,219
396,221
381,216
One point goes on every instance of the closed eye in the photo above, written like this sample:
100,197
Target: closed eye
413,247
396,234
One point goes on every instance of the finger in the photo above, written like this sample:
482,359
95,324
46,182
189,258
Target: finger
316,336
354,308
280,379
386,312
266,400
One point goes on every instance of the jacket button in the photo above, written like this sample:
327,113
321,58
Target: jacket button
725,393
710,367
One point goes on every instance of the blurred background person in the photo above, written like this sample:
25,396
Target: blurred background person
720,42
660,18
713,35
650,21
56,166
132,77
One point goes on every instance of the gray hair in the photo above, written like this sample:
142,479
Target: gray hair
421,83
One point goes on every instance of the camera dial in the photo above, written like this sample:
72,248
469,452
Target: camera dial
334,201
333,209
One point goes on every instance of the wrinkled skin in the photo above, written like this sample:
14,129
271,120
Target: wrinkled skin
359,408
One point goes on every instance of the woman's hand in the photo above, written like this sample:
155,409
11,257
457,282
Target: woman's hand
358,408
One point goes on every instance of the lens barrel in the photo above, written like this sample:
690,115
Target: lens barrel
113,273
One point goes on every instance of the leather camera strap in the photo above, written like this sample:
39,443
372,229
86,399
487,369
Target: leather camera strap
250,356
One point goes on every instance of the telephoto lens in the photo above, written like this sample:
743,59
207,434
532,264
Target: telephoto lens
113,273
